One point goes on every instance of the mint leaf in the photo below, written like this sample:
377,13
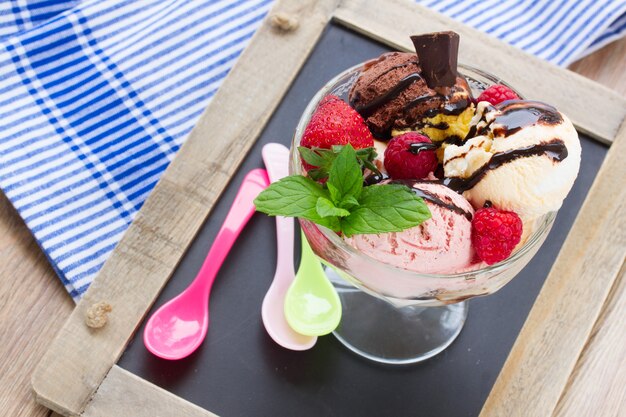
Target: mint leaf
295,196
345,177
385,208
311,157
317,174
326,208
322,159
366,154
366,157
349,202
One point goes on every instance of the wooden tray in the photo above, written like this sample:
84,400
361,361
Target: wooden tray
78,375
240,371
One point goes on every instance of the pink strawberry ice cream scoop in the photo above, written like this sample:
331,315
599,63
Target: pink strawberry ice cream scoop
439,245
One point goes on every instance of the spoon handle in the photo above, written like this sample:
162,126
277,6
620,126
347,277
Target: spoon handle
276,160
238,215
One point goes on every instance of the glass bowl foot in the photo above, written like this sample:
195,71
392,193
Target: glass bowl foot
377,330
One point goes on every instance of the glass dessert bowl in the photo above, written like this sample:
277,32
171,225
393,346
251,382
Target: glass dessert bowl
391,314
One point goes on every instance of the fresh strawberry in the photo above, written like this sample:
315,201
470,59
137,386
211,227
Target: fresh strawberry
495,233
497,94
410,156
336,123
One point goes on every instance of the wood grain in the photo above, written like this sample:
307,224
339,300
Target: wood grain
143,261
560,323
594,109
33,305
122,391
606,66
597,387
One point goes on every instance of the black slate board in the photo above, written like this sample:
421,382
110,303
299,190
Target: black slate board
239,371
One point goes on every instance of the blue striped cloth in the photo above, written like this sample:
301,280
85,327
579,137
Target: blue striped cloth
559,31
97,96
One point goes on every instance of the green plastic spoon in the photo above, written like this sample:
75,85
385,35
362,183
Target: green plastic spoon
312,306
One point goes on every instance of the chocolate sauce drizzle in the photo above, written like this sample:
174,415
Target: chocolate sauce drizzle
555,150
518,114
418,100
474,131
397,66
374,178
440,126
454,140
370,108
449,108
428,196
452,108
418,147
432,197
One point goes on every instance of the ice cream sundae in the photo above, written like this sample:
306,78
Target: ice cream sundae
423,185
446,182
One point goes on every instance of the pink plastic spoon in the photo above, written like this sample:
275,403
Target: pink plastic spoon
179,326
276,159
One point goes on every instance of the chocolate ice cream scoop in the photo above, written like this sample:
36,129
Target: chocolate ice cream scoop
392,94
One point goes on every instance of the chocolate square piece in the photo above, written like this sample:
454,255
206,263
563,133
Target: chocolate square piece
437,54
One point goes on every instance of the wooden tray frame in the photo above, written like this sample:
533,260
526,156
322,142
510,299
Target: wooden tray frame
78,376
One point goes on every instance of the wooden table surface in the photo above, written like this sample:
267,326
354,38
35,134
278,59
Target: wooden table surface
34,304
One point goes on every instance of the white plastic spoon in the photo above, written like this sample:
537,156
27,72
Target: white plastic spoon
276,158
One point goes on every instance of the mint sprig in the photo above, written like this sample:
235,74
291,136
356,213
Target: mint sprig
322,159
343,203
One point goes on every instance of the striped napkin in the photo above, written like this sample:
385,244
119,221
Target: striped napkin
97,96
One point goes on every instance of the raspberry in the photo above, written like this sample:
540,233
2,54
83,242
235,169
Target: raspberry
497,94
405,158
495,233
336,123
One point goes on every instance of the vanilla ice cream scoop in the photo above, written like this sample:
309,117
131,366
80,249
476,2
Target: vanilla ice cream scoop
521,156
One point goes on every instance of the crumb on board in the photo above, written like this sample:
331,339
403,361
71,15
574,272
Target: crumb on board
283,22
96,316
